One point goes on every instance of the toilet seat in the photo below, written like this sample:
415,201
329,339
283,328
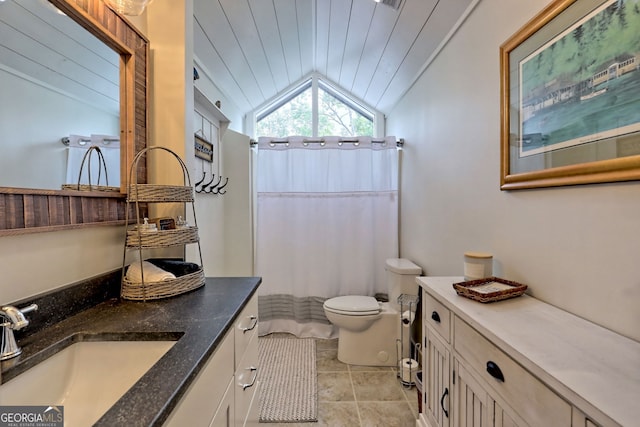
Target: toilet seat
353,305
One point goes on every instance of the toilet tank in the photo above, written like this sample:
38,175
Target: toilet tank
401,279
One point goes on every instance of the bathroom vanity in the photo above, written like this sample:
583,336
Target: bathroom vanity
521,362
208,377
229,377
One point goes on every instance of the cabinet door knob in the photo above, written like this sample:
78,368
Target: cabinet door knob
446,392
435,316
494,371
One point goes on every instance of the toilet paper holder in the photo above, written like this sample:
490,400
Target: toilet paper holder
409,369
407,317
407,365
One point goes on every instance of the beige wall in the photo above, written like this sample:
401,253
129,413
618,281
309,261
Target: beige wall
35,263
576,247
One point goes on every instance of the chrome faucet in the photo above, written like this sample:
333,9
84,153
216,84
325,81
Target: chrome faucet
12,320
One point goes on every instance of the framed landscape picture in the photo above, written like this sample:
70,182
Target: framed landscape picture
570,96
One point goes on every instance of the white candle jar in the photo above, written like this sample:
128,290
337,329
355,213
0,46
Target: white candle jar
477,265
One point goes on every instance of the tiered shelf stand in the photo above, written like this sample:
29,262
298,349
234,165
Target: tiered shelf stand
137,239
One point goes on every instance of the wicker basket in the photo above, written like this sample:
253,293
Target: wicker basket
490,289
90,187
162,238
157,290
160,193
102,166
144,240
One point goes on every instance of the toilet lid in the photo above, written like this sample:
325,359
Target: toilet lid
356,304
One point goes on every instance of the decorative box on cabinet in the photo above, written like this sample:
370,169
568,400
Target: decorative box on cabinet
521,362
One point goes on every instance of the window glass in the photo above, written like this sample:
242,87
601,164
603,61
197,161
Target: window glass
292,115
290,118
335,117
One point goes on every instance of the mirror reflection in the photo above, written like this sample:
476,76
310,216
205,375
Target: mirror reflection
57,82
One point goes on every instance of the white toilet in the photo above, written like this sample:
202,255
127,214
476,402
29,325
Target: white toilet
369,330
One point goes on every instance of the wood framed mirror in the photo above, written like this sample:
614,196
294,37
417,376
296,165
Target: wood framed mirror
28,210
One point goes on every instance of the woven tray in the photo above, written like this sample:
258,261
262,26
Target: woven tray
489,289
162,238
165,289
160,193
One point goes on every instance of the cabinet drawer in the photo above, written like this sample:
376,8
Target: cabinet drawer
246,326
437,316
528,396
247,380
198,406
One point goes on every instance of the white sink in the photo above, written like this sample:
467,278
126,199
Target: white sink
87,378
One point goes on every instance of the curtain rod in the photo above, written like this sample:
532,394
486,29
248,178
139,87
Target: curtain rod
84,141
399,142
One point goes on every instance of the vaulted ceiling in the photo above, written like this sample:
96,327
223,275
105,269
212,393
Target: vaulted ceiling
256,49
41,44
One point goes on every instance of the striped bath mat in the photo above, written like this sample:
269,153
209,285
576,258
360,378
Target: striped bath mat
289,389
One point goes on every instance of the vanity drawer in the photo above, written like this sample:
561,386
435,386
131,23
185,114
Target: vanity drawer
246,326
199,404
437,316
528,396
247,381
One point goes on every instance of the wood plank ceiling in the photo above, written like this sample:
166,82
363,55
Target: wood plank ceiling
256,49
43,45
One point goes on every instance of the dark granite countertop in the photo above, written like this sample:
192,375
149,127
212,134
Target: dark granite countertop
198,320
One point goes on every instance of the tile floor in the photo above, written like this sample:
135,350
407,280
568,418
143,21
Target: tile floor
357,396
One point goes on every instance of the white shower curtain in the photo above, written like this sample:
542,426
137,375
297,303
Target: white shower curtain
327,219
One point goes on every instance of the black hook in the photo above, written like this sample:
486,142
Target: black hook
210,190
222,186
204,175
203,189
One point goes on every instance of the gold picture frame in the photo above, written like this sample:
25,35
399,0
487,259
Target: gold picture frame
563,122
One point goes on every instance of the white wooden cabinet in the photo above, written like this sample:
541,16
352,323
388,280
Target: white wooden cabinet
247,383
224,416
201,401
437,367
225,392
437,363
521,362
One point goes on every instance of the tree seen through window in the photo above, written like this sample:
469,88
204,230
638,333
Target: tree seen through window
337,116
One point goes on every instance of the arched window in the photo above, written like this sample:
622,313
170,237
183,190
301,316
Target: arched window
313,109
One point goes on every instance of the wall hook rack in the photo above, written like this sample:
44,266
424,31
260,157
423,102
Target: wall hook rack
219,191
213,186
210,187
203,189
